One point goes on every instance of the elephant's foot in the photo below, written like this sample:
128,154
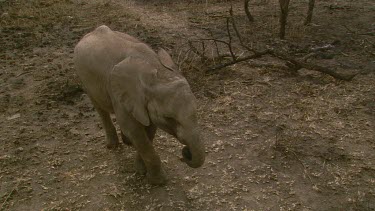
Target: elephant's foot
112,145
112,142
154,177
157,179
126,140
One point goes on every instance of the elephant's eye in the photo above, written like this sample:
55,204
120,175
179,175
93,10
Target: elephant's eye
171,121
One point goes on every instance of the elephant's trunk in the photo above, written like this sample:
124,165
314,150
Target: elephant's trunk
194,153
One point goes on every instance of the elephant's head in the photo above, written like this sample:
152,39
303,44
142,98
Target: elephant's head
156,93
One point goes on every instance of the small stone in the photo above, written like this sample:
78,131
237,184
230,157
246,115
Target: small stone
19,150
4,15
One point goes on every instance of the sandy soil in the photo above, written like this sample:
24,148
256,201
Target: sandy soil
275,140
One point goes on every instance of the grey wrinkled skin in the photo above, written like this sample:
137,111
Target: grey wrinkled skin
144,90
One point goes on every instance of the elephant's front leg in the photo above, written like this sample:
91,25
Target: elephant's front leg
151,131
139,163
139,136
147,154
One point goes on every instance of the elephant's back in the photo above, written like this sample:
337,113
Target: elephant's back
99,50
94,57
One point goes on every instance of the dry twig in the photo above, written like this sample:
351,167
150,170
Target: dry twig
247,11
310,12
236,30
196,51
10,194
284,10
230,42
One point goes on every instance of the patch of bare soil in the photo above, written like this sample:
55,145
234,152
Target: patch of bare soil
275,140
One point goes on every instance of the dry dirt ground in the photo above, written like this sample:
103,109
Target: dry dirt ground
275,140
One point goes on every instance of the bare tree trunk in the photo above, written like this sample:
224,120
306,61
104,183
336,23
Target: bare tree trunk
310,12
284,8
247,11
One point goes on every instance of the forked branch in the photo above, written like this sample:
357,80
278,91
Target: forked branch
298,64
292,62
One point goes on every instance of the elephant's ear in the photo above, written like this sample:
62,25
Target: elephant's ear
128,82
166,60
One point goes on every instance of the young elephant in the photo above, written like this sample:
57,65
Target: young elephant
144,89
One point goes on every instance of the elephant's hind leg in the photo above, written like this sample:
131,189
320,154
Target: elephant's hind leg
110,130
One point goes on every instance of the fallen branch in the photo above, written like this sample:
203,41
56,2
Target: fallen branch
300,64
23,73
368,33
359,33
292,63
254,56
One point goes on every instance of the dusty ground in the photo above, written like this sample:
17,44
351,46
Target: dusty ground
275,140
